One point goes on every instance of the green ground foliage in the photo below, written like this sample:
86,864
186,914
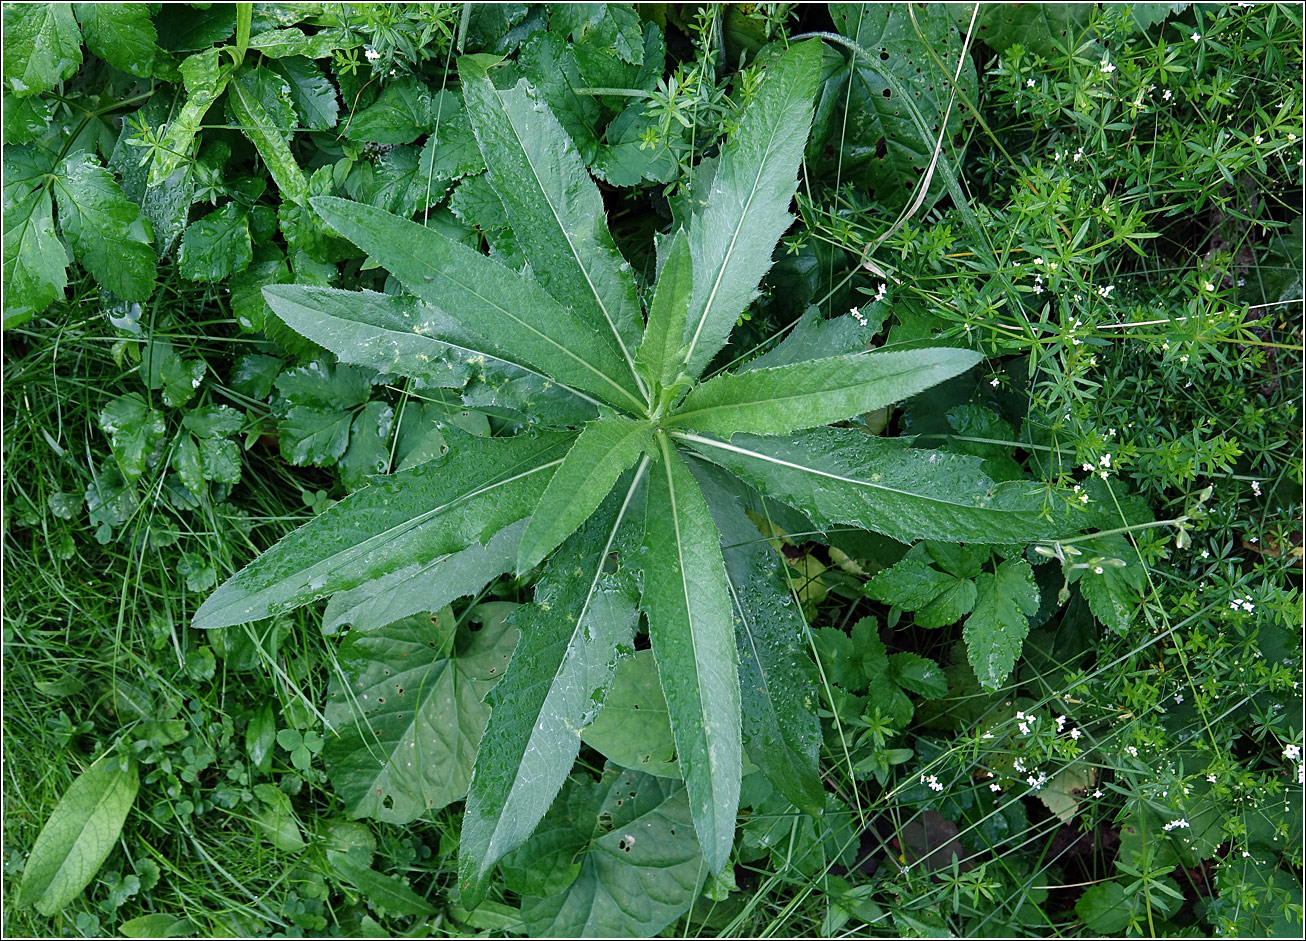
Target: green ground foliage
630,470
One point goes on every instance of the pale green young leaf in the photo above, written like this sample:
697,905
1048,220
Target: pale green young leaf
844,477
777,678
606,447
634,728
515,314
658,357
265,133
121,34
136,431
79,835
748,208
582,617
691,628
996,630
43,46
555,209
105,230
35,261
408,706
413,516
281,43
781,399
426,587
205,81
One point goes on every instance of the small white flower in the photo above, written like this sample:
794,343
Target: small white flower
372,54
995,787
1167,94
1196,37
1256,487
1258,139
932,782
1019,764
1178,697
1088,466
1210,778
1106,67
1061,723
1029,83
1208,285
1206,553
1291,752
1105,460
1248,606
1098,793
1132,751
1083,498
1180,824
1038,261
994,382
1075,734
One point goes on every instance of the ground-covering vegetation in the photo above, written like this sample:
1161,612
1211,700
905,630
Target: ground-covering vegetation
748,469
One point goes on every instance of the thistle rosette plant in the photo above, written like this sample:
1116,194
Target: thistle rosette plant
643,508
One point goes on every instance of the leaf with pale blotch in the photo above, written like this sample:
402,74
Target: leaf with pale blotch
408,706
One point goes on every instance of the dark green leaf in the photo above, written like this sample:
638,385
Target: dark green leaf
315,98
428,587
411,517
748,209
216,246
838,476
996,630
919,675
410,713
550,65
781,399
813,338
121,34
400,115
35,261
369,450
582,617
555,209
382,892
106,230
1041,28
514,313
259,737
79,835
137,432
205,81
43,46
268,130
166,204
691,628
283,43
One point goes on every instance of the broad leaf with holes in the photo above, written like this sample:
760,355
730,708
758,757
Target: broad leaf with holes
640,499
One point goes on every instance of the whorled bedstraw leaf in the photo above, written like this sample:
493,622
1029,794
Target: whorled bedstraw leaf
43,46
216,246
427,587
35,260
747,210
781,399
408,707
605,449
413,516
777,678
640,866
691,629
583,617
121,34
996,630
80,833
554,208
105,230
515,314
844,477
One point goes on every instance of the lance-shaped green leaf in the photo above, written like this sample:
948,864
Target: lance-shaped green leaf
414,516
658,357
844,477
583,615
106,230
782,399
205,81
80,834
511,311
423,587
605,449
555,209
748,208
267,137
691,629
777,678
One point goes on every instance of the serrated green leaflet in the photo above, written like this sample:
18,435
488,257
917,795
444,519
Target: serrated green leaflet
555,209
416,515
658,356
515,314
691,628
781,399
408,709
571,636
79,835
838,476
35,261
426,587
606,447
748,208
43,46
995,631
106,230
120,34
